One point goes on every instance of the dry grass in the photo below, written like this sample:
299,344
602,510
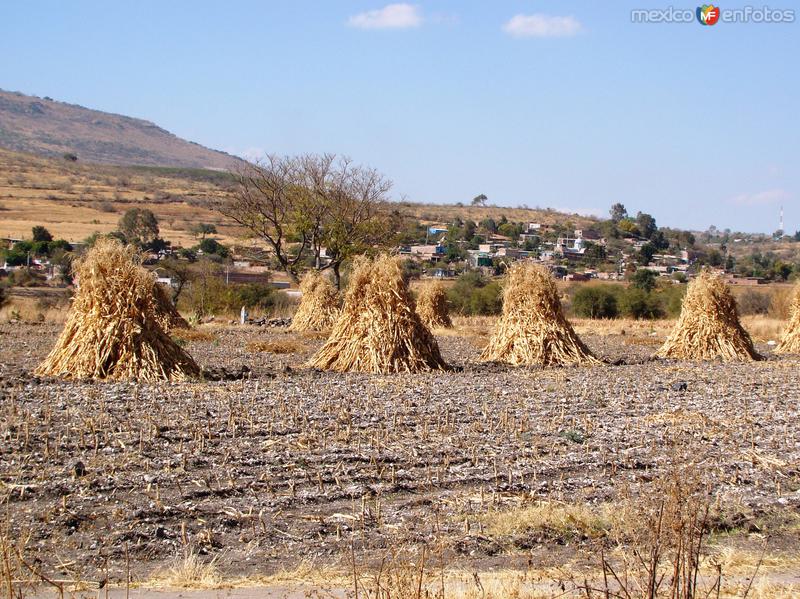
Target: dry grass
379,330
432,306
763,328
113,329
27,310
532,329
623,326
319,304
555,520
42,192
444,213
188,572
790,342
276,347
708,326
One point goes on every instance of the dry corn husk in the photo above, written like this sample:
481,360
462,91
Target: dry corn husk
532,329
790,342
319,304
379,330
432,306
166,313
112,330
708,326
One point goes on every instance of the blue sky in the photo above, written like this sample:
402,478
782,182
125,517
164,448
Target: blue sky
562,104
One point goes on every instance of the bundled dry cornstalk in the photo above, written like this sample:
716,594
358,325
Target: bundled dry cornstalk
708,326
790,342
532,329
432,306
379,330
112,330
319,304
166,313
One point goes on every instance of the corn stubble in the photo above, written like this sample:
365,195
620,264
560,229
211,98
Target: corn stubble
708,327
319,304
432,306
790,342
532,329
379,330
113,329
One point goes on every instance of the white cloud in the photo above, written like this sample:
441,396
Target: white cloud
761,198
539,25
391,16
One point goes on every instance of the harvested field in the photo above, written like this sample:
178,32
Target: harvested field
295,466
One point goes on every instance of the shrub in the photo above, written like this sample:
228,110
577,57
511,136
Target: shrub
209,294
473,294
644,279
251,295
595,301
210,246
637,303
670,298
41,234
753,302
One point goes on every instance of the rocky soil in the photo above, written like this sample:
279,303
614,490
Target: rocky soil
292,464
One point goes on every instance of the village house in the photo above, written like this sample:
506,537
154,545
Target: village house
432,252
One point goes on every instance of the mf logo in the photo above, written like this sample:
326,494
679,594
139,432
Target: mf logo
708,14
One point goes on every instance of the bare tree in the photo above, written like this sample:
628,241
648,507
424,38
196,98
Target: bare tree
352,201
305,205
265,202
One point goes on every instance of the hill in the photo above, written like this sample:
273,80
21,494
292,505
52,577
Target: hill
73,200
49,128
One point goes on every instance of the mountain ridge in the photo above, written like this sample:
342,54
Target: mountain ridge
48,127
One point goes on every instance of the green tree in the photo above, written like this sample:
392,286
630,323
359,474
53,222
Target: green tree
202,229
646,253
595,254
509,230
644,279
139,226
595,301
41,234
469,230
489,225
618,212
780,270
210,246
646,224
638,303
473,294
715,258
480,200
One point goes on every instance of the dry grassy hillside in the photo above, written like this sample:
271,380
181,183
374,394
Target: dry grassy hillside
49,128
74,200
445,213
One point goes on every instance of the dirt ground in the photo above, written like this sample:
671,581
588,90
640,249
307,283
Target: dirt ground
293,469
